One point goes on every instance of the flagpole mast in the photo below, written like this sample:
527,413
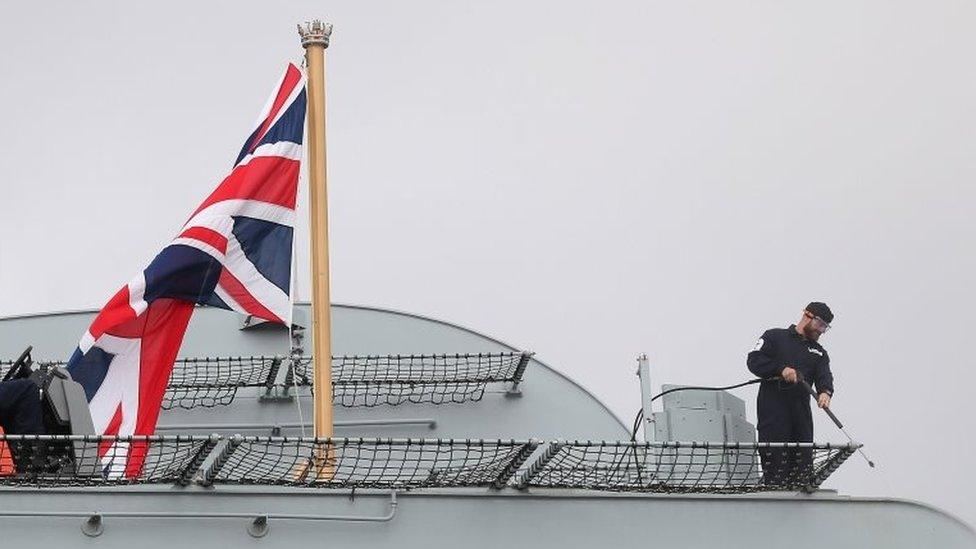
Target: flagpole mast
315,39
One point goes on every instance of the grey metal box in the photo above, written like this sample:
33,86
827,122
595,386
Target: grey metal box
701,426
737,429
704,400
688,425
704,466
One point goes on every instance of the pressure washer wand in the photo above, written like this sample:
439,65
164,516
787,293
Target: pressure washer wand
833,418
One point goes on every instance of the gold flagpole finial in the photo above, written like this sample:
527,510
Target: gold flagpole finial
315,32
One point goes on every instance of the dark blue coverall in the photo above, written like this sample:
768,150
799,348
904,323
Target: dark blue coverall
20,408
784,408
21,414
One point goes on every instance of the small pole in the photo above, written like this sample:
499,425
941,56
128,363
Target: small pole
644,372
315,39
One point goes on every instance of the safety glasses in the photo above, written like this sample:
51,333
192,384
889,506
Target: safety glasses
818,323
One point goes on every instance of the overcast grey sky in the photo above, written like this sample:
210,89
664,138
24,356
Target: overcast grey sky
588,180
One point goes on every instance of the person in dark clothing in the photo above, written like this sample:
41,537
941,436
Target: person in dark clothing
20,408
781,357
21,414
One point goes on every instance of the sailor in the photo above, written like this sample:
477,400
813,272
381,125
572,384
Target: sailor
20,407
782,357
20,414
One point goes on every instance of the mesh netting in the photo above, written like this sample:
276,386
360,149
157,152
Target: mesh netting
208,381
5,365
58,460
214,381
686,467
370,463
373,380
29,460
357,380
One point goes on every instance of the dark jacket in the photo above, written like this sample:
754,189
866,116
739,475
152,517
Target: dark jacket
781,347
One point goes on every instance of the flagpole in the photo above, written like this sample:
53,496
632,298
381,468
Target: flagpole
315,39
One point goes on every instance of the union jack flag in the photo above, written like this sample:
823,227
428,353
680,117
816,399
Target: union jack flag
234,252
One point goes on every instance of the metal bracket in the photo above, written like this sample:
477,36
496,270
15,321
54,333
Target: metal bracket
269,382
540,463
514,464
514,391
278,393
208,471
273,392
186,476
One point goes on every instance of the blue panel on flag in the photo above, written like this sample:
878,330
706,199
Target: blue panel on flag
182,272
291,126
215,301
247,146
268,246
89,369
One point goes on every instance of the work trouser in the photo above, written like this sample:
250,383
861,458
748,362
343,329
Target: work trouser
785,417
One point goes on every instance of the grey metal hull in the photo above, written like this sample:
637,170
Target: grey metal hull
473,518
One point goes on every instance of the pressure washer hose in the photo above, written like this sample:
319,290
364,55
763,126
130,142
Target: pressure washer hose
799,379
640,413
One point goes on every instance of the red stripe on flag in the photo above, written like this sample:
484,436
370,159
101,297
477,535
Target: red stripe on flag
292,76
110,431
166,322
272,179
115,312
207,236
236,289
131,328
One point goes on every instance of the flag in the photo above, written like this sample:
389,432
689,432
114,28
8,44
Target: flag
234,252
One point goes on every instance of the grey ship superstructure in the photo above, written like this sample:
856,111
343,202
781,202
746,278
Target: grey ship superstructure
444,438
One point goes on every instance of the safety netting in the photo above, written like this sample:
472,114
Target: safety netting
52,460
66,460
670,467
374,380
357,380
215,381
6,364
403,464
369,463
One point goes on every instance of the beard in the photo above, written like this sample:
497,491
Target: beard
810,333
